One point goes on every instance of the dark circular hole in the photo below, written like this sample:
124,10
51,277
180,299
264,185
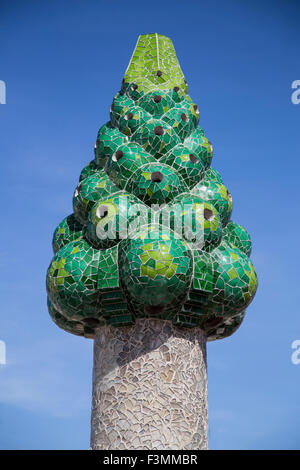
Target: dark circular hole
92,322
184,117
135,86
129,116
157,177
176,89
154,309
157,98
102,212
208,214
193,158
195,107
117,155
159,130
159,73
123,80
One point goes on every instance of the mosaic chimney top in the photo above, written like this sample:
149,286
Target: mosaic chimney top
151,234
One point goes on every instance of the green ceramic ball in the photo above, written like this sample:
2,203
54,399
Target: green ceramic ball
111,219
196,221
89,191
155,272
218,195
155,183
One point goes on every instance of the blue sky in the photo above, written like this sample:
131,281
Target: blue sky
62,62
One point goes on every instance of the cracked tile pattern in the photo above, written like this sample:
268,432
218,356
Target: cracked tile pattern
149,387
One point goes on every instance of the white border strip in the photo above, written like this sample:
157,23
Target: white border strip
157,49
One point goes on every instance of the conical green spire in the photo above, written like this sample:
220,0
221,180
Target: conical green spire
154,65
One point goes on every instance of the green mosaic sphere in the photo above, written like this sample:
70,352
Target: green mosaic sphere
188,166
196,221
181,120
235,235
191,108
212,175
119,103
155,183
72,281
156,137
89,170
89,191
200,146
67,231
111,219
157,103
218,195
132,118
236,281
224,328
125,162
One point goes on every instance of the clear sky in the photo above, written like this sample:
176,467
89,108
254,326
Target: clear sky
62,62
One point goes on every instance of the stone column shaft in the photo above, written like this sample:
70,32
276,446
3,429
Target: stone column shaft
149,387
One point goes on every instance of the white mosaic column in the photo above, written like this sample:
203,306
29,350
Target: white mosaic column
149,387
